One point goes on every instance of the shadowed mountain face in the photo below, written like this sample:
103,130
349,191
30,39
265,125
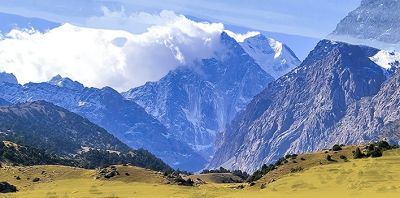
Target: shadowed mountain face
196,101
52,131
55,129
107,108
374,22
295,112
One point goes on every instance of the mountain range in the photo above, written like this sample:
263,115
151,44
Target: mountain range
107,108
340,94
294,113
195,102
249,104
188,107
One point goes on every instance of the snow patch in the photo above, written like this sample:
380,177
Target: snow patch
387,59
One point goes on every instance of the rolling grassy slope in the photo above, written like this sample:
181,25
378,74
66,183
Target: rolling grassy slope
306,161
372,177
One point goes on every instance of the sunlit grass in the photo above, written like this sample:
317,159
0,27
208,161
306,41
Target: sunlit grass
372,177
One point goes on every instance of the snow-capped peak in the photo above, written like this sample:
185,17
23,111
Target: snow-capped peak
66,83
273,56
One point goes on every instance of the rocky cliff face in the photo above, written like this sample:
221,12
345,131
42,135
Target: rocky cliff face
107,108
295,113
371,118
374,22
196,101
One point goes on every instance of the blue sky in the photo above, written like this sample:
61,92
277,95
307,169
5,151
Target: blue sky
311,18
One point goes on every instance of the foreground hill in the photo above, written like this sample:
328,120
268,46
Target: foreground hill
372,177
362,178
48,128
15,154
299,163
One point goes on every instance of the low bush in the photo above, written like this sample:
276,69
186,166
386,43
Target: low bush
336,147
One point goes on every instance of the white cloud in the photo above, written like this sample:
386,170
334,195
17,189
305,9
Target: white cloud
98,57
241,37
137,22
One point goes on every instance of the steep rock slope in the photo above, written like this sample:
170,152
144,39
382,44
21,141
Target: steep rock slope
107,108
196,101
372,118
294,113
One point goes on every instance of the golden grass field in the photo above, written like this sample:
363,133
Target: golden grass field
372,177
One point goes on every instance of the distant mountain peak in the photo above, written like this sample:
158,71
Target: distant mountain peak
8,78
59,81
11,21
273,56
230,43
373,23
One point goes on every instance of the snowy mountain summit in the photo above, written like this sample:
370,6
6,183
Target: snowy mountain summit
276,58
66,82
